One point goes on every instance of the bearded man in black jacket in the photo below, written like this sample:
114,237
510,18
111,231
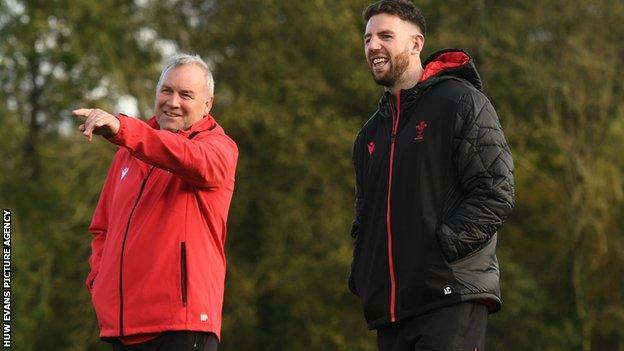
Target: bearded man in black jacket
434,183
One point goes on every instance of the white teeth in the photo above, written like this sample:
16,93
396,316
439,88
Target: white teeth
379,60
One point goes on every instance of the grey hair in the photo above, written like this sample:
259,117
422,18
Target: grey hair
186,59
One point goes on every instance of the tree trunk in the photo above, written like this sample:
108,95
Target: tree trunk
577,178
31,145
580,301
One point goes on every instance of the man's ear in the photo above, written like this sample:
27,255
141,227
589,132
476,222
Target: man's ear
208,105
418,43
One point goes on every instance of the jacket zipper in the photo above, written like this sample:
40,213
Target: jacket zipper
183,271
395,127
123,246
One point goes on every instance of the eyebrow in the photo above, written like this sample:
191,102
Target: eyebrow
185,91
387,31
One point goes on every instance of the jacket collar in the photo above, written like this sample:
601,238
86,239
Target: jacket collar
207,123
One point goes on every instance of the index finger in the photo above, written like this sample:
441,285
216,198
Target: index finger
84,112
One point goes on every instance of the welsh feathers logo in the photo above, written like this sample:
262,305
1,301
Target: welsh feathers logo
420,130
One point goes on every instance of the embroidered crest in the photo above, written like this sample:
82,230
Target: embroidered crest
420,130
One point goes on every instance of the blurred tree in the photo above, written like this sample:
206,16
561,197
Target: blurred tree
293,90
561,92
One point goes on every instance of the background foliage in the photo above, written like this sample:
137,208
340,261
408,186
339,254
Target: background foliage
292,89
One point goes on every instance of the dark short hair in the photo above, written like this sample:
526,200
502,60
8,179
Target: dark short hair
404,9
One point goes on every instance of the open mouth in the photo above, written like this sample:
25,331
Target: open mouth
378,62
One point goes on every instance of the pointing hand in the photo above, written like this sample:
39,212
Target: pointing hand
97,122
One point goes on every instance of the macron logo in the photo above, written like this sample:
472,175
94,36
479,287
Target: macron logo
123,173
371,147
203,317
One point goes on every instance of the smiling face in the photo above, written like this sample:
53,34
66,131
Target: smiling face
392,47
182,98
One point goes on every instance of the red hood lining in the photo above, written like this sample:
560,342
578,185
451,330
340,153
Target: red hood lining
443,62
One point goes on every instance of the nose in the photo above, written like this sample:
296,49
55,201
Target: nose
374,43
173,100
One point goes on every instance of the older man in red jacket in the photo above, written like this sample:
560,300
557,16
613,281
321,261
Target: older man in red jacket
158,262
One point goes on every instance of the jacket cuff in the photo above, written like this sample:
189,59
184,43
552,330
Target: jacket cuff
119,137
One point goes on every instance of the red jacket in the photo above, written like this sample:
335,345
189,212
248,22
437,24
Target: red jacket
158,260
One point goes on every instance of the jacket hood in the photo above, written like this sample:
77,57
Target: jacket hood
447,64
440,66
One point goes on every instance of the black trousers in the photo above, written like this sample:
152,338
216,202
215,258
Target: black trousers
174,341
458,327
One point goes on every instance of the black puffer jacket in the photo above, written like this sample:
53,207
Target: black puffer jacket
434,181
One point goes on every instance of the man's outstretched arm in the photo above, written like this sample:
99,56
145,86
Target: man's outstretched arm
205,161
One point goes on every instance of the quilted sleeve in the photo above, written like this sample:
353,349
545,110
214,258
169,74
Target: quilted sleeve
485,173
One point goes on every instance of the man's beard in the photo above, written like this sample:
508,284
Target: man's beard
398,66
